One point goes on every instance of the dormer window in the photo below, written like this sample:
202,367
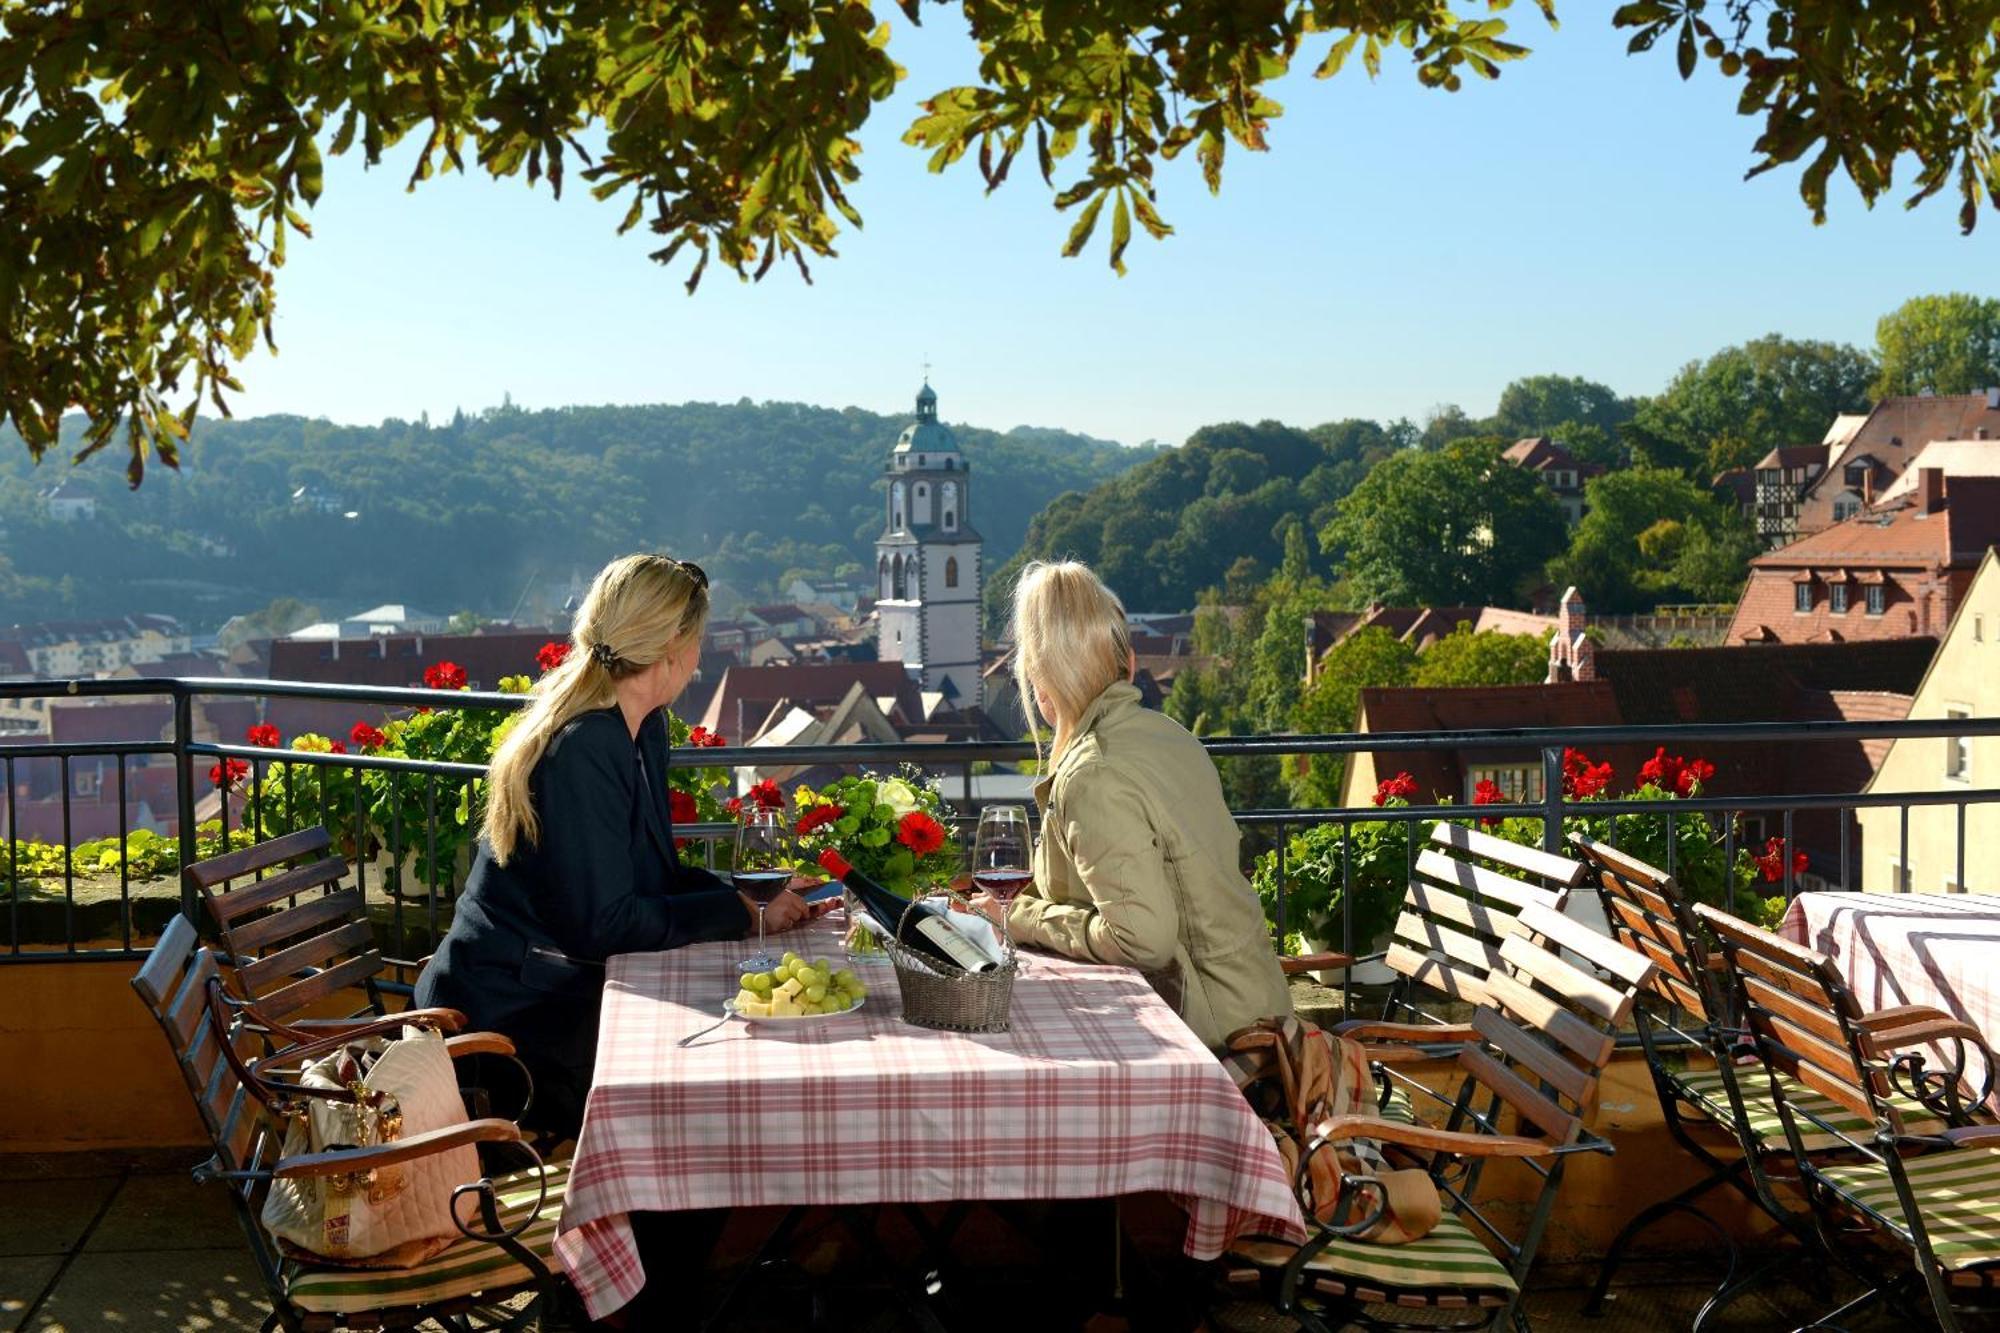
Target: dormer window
1802,597
1878,599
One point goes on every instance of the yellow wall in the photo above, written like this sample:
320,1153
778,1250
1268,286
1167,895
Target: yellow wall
1966,674
85,1064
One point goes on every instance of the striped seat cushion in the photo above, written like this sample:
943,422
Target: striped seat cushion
1704,1089
1398,1107
466,1268
1449,1265
1957,1191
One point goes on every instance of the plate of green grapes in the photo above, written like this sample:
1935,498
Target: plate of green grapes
797,991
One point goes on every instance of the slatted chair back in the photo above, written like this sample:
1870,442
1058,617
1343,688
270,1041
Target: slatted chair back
1460,910
1808,1027
174,985
1648,913
293,933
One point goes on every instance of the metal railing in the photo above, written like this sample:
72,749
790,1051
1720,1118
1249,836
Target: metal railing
416,887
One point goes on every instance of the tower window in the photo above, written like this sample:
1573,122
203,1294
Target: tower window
951,571
882,577
897,572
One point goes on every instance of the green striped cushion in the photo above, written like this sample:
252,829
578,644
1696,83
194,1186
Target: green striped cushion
466,1268
1957,1191
1704,1088
1449,1262
1398,1107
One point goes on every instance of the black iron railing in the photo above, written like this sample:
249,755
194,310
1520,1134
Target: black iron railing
397,845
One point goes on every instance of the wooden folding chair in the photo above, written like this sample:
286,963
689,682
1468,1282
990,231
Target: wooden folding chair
294,935
1927,1191
508,1221
1539,1044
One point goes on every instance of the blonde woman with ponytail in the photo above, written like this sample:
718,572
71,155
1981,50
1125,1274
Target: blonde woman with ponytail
577,860
1138,857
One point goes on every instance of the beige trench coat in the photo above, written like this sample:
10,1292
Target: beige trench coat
1137,865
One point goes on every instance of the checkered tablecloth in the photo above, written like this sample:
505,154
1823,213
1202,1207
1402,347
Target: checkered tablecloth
1099,1090
1909,948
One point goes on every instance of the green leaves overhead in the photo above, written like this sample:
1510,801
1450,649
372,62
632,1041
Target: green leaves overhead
156,158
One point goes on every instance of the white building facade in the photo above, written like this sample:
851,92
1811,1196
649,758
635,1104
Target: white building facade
928,562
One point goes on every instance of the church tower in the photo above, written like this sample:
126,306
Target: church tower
927,569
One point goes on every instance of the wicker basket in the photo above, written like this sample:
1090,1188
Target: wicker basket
954,1001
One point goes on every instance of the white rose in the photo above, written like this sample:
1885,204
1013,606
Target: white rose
898,796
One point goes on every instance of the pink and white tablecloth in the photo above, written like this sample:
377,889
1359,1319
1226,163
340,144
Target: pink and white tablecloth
1098,1091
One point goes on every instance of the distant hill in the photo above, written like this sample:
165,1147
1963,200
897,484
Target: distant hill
1210,514
460,516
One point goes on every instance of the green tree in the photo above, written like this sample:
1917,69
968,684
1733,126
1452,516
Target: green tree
159,159
1463,658
1639,526
1939,344
1369,658
1458,527
1546,404
1741,403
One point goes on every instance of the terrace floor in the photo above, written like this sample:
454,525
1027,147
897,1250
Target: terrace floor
128,1242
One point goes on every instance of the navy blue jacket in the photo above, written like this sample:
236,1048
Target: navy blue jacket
525,951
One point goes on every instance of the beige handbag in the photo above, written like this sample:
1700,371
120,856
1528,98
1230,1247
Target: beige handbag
366,1093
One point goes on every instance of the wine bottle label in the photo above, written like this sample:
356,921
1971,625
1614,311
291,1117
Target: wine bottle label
963,951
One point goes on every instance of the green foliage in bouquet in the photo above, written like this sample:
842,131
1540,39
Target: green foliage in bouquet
896,830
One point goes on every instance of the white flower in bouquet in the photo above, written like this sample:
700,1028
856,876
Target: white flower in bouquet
898,795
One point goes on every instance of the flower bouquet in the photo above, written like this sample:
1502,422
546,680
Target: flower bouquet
895,830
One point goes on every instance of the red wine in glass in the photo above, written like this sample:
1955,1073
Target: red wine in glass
764,859
1000,855
1002,884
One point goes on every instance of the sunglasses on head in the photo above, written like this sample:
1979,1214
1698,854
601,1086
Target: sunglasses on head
692,570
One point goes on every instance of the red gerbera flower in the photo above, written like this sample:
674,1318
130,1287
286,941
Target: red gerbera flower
833,863
367,737
703,738
1487,792
265,736
920,833
552,654
229,772
1402,785
445,676
819,817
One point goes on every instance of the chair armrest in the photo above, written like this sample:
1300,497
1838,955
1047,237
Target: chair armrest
1899,1015
477,1043
448,1020
1971,1136
1922,1032
1407,1043
1343,1127
1294,964
342,1161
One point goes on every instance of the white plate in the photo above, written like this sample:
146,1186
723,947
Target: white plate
729,1007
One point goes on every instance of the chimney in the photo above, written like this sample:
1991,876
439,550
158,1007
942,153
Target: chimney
1868,485
1930,489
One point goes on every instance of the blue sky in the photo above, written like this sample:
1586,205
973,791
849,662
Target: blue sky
1397,248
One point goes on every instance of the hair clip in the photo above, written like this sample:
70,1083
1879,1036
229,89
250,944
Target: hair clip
602,652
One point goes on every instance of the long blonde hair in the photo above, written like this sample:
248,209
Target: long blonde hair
1071,643
639,609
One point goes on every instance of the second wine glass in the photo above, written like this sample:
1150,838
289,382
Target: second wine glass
764,859
1000,852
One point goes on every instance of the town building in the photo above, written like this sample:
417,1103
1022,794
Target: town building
1893,571
66,502
63,649
928,572
395,661
1560,470
1860,467
1783,477
1943,848
1418,626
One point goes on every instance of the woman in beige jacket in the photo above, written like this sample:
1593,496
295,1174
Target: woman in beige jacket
1137,861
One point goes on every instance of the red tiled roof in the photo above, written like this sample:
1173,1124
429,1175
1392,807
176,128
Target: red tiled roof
1902,534
1538,453
83,724
14,659
1892,435
748,693
398,660
1442,772
1753,683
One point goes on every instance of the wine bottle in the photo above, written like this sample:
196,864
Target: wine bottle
919,926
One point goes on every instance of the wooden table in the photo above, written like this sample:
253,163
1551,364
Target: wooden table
1099,1090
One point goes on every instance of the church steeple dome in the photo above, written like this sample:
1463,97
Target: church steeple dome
927,403
926,441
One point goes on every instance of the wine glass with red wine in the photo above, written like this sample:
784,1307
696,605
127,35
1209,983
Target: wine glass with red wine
765,856
1000,853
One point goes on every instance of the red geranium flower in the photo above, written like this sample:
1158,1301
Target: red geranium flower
767,796
920,833
229,772
1672,773
1402,785
551,654
1581,778
682,809
1487,792
335,747
265,736
734,805
1772,863
367,737
833,863
445,676
819,817
703,738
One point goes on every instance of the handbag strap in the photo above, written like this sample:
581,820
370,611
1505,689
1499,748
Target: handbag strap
281,1096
